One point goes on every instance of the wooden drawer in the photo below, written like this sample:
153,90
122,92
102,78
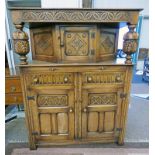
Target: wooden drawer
106,77
50,79
16,98
13,85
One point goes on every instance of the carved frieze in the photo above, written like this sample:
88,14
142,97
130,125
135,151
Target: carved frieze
75,15
52,100
102,99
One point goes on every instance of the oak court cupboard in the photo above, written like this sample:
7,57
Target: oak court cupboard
74,90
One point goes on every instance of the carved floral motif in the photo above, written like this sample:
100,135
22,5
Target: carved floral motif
130,43
21,46
74,15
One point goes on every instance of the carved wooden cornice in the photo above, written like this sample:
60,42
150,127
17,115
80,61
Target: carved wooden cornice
75,15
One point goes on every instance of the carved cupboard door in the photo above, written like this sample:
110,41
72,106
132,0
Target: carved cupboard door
43,44
107,46
52,114
101,111
77,43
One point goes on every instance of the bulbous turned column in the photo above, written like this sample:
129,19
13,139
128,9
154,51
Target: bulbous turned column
21,44
130,43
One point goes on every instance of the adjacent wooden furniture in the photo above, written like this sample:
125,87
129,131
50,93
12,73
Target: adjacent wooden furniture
13,90
81,94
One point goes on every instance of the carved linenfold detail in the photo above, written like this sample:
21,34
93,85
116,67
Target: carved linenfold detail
76,44
48,78
75,15
102,99
52,100
99,78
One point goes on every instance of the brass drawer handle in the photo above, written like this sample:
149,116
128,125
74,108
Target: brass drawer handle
52,69
85,110
70,110
65,79
102,68
118,79
13,89
89,79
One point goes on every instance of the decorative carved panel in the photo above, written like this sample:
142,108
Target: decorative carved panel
76,43
52,100
100,78
102,99
43,43
107,42
50,79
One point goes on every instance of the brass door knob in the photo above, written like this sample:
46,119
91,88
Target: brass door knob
103,68
13,89
89,79
118,79
85,110
70,110
52,69
65,79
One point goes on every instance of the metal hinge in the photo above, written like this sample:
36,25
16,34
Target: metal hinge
123,95
93,35
30,98
35,133
119,129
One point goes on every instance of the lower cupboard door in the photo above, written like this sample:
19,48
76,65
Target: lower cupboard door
101,112
53,116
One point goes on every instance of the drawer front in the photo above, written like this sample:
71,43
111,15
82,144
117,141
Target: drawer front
13,85
13,99
106,77
50,79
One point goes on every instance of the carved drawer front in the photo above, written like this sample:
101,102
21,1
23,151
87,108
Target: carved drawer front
13,85
77,43
106,77
50,79
42,44
101,111
53,114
